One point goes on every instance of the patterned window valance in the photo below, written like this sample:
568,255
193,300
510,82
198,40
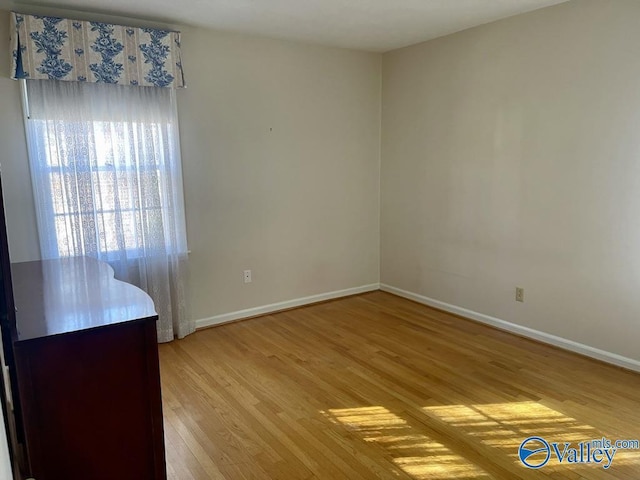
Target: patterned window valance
60,49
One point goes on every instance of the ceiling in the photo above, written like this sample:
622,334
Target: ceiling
374,25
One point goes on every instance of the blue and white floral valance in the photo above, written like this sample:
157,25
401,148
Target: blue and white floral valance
52,48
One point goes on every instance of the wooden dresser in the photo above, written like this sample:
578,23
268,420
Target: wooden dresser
87,373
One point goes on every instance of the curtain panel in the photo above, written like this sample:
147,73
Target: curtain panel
52,48
107,181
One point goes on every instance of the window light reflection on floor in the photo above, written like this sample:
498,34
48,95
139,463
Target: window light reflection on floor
499,427
505,425
416,454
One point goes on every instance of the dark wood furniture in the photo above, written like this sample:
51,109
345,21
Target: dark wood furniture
87,373
12,420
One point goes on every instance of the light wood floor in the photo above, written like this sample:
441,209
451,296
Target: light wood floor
376,386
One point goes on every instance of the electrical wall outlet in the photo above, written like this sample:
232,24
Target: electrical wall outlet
519,294
247,276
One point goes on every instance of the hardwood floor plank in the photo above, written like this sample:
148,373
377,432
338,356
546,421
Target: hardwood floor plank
379,387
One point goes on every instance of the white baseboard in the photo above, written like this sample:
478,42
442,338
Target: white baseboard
276,307
563,343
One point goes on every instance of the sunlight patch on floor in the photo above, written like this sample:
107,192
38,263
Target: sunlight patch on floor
627,457
506,425
499,426
416,454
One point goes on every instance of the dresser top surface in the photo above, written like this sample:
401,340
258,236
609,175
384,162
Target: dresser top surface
67,295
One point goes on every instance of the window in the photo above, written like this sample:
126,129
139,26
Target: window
104,151
112,209
105,169
107,183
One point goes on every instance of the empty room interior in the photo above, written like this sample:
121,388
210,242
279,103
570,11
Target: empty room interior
321,240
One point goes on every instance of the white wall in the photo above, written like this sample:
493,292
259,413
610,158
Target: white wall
281,154
16,182
511,157
280,146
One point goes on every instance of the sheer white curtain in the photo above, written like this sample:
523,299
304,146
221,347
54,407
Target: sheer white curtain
107,180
